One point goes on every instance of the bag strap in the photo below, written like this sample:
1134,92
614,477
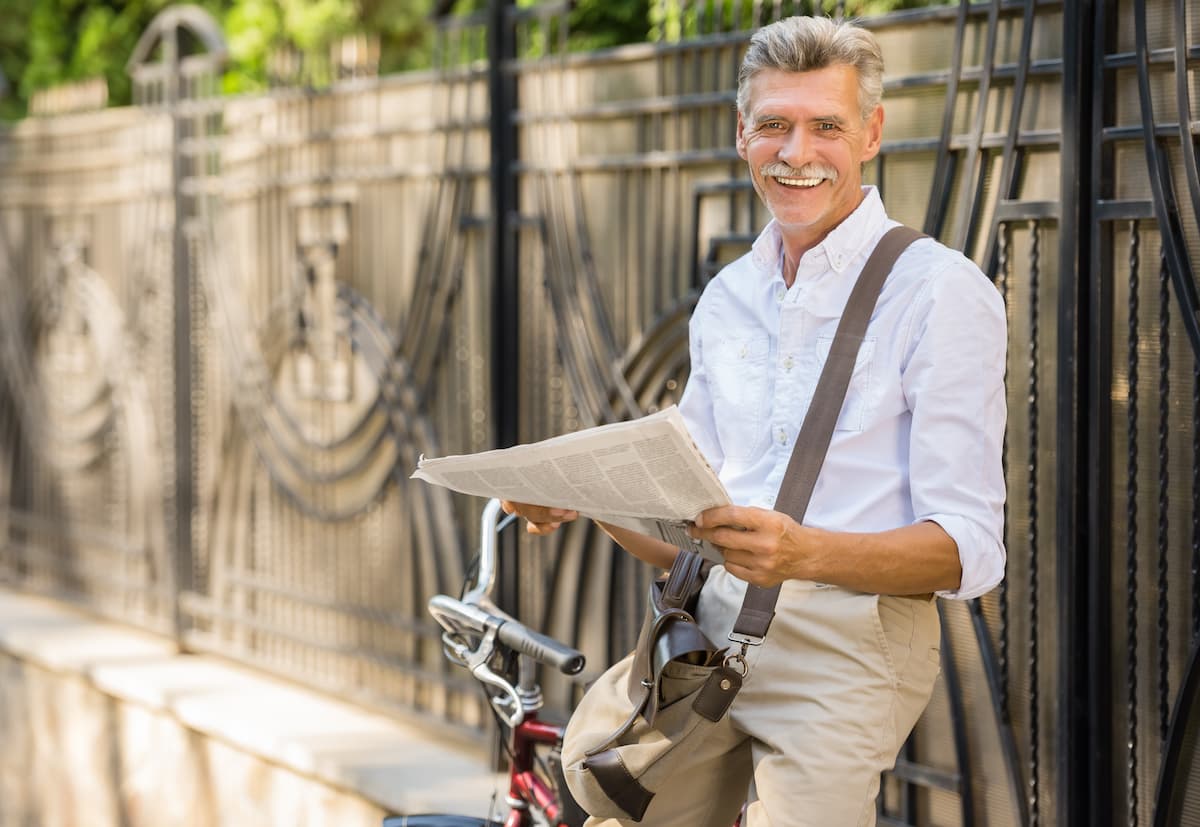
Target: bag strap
808,455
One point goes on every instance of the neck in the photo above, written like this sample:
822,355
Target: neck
790,265
793,251
799,240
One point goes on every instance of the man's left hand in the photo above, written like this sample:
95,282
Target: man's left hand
761,546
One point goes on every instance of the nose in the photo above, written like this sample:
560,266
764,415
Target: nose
797,147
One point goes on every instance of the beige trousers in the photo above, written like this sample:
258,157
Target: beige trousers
832,695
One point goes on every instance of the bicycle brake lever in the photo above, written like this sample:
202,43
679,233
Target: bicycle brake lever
477,661
456,651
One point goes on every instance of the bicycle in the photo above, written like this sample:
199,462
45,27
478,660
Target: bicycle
501,654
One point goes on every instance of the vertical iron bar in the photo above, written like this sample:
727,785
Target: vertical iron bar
1034,492
1131,559
180,569
1093,682
1164,407
506,298
1081,441
1195,500
1002,273
502,98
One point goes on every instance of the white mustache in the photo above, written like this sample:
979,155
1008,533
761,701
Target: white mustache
778,169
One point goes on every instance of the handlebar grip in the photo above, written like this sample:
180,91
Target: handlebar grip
512,633
541,648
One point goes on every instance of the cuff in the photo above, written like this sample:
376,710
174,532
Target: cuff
981,555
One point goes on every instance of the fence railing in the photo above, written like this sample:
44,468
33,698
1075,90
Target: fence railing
231,326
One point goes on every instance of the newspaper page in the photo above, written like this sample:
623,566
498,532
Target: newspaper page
645,475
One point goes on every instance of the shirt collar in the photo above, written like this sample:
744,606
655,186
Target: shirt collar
840,247
841,253
856,235
765,251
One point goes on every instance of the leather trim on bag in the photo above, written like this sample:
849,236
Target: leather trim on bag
683,580
718,692
621,787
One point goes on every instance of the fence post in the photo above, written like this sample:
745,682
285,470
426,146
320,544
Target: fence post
168,82
502,98
502,102
1083,724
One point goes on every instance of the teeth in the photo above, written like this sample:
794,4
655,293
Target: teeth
799,182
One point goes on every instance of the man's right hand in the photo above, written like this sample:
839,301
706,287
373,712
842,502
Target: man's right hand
538,518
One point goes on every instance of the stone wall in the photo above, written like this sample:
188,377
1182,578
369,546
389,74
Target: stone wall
107,726
74,755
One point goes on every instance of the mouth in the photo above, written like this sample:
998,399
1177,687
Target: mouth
800,183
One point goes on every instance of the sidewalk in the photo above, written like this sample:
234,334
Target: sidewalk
395,766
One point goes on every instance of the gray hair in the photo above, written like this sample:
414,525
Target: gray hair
802,44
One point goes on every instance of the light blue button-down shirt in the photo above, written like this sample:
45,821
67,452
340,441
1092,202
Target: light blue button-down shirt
920,433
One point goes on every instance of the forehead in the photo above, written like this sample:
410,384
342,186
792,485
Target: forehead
831,90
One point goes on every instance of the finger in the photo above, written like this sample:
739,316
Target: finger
731,538
713,517
540,513
744,561
527,510
734,516
709,532
749,575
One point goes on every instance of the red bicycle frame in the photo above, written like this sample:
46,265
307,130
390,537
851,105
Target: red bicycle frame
524,785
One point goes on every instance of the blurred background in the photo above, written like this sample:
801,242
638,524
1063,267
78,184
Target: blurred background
44,43
257,257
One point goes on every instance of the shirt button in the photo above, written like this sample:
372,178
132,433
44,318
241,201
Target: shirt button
742,352
788,363
782,437
780,292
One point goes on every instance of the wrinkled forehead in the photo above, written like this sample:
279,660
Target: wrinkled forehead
829,92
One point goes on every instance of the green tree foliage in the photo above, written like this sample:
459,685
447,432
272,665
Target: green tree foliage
48,42
44,43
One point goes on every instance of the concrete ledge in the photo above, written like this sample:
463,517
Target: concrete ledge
394,766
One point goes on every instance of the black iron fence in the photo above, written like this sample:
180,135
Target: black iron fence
231,326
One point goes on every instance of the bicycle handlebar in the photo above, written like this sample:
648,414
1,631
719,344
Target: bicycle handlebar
512,633
541,648
489,526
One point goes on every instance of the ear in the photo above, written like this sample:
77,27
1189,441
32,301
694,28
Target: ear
740,143
874,134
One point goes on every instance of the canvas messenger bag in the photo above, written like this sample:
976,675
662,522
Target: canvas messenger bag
642,718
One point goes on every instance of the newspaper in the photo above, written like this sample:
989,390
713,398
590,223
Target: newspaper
645,475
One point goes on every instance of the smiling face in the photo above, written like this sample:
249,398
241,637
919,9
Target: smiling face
805,140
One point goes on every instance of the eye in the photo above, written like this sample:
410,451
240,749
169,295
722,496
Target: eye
772,125
826,126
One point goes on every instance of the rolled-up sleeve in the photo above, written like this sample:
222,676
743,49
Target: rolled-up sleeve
953,380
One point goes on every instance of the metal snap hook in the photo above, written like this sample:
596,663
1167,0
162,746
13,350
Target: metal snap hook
737,662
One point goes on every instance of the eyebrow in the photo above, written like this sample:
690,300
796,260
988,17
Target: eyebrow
769,116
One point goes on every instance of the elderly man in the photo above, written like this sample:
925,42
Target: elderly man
909,500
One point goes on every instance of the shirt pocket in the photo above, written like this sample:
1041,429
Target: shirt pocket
859,394
739,382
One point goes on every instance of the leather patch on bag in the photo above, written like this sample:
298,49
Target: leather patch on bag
718,692
624,790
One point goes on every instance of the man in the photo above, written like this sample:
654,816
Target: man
909,500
